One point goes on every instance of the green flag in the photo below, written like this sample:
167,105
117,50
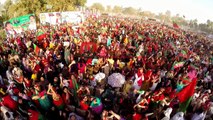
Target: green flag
183,106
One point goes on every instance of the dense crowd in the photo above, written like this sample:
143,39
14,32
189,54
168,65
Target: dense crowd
104,69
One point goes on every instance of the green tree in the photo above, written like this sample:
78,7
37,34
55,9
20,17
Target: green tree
4,10
209,24
22,7
79,2
117,9
109,8
195,24
98,6
129,11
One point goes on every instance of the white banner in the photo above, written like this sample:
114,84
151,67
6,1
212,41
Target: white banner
55,18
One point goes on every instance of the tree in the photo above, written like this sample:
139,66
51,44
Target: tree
195,24
147,14
4,10
168,13
109,9
98,6
80,2
129,11
117,9
23,7
209,24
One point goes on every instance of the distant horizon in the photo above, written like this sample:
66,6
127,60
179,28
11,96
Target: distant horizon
191,9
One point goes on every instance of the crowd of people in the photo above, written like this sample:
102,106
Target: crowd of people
105,69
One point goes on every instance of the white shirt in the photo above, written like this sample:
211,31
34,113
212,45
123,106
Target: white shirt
32,26
198,116
4,110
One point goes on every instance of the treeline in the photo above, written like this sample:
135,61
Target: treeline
14,8
166,17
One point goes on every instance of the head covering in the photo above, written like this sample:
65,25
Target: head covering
167,113
96,107
178,116
76,116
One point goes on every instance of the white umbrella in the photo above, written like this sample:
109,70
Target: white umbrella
99,76
116,80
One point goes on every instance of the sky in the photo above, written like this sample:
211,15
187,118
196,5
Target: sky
2,1
191,9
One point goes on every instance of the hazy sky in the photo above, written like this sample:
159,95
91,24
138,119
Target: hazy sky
191,9
2,1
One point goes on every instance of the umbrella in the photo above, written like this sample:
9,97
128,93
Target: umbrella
116,80
99,76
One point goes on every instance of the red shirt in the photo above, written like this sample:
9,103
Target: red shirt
34,115
83,105
9,102
37,69
136,116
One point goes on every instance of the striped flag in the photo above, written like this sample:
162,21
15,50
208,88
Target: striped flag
36,49
178,65
185,95
193,67
41,35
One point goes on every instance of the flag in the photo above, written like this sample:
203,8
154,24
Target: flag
74,86
187,91
140,37
185,95
178,64
193,67
175,25
192,74
183,106
183,53
36,49
41,35
139,78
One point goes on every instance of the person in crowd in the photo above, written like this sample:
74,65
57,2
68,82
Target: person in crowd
113,68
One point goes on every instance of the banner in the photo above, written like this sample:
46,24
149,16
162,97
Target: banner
72,17
50,18
55,18
20,24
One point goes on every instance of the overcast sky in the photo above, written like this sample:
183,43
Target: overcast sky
191,9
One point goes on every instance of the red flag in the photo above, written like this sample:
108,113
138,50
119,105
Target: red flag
41,37
187,91
36,49
175,25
